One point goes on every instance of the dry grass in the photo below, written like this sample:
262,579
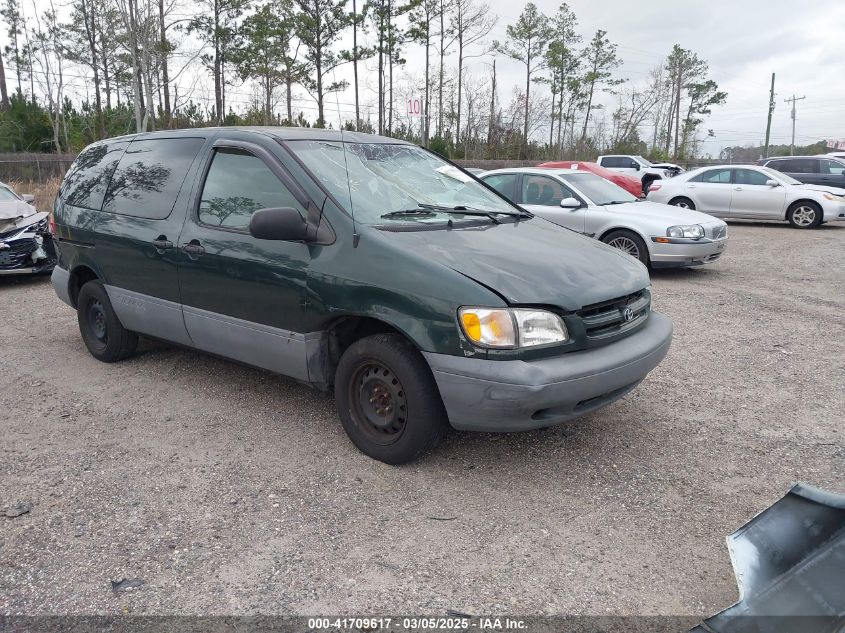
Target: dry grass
44,192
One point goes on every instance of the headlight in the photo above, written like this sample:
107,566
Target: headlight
511,327
686,230
668,173
830,196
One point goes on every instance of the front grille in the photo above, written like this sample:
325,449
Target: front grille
18,254
607,319
719,232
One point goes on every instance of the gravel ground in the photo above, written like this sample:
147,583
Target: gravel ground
232,491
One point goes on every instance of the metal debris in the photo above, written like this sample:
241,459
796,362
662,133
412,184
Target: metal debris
126,584
789,563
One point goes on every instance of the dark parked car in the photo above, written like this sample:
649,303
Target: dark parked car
810,170
353,262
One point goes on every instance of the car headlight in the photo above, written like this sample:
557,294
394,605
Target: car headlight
668,173
693,231
833,197
511,327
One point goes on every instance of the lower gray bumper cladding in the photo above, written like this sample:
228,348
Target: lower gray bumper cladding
789,563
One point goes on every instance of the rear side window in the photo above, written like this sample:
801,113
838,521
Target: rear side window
544,191
795,165
149,176
503,183
86,181
714,176
237,185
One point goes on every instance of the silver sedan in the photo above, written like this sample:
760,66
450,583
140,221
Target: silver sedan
658,235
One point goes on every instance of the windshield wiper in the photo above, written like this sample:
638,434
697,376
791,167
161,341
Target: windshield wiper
406,212
462,209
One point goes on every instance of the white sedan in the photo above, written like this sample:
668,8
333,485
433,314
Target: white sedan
658,235
752,193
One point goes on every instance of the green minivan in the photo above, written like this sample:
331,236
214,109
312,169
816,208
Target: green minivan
356,263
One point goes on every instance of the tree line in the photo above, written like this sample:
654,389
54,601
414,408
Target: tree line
118,66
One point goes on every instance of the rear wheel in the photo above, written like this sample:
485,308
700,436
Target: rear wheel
103,333
683,203
805,215
628,242
387,399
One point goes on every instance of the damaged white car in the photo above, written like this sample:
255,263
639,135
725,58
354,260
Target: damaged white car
26,246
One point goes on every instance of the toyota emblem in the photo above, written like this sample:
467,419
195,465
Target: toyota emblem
628,315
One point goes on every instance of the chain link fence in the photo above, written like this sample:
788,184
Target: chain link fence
34,167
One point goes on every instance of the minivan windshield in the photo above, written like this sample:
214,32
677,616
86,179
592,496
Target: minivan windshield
597,189
381,182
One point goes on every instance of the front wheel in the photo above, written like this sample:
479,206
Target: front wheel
805,215
628,242
387,399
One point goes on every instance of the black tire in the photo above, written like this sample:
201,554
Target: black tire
103,333
387,399
684,203
628,242
646,182
805,214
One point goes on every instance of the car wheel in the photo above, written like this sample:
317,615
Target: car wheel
683,203
387,399
805,215
628,242
103,334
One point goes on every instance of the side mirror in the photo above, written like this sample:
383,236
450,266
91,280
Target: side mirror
773,183
28,198
570,203
282,223
635,165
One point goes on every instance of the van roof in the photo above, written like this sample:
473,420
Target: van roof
279,132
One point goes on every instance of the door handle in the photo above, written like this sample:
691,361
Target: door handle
161,243
737,188
690,186
193,249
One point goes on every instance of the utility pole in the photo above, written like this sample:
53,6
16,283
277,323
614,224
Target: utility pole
769,122
792,101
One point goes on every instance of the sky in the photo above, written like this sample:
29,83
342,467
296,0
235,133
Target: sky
744,42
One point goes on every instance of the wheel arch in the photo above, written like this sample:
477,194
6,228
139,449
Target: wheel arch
645,238
799,201
79,276
338,335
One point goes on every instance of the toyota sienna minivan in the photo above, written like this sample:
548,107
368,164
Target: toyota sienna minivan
356,263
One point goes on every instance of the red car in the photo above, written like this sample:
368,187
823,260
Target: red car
628,183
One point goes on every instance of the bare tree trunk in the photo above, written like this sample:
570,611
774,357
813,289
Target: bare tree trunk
440,86
381,72
427,120
527,101
460,88
4,96
492,124
390,43
165,79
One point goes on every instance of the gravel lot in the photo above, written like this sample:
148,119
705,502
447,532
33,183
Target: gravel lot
232,491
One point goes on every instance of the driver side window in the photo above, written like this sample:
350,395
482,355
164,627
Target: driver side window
237,185
714,176
544,191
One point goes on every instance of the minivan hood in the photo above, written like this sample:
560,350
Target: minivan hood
531,262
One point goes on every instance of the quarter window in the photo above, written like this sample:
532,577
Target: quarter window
237,185
505,184
149,177
714,176
832,167
544,191
86,181
750,177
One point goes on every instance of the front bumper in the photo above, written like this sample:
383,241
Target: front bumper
515,395
834,213
686,252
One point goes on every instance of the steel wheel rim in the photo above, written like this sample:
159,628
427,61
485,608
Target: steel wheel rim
626,245
682,205
378,402
804,215
97,321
